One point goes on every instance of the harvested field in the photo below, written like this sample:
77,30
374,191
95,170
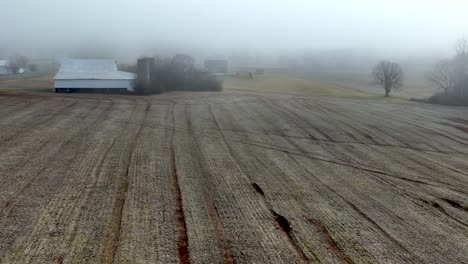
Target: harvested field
230,177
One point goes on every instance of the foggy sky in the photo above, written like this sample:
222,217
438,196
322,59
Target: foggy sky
216,27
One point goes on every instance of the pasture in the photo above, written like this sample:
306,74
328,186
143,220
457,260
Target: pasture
336,84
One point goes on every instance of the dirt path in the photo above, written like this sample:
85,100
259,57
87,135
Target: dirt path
230,177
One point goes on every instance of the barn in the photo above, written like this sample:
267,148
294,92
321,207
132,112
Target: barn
79,74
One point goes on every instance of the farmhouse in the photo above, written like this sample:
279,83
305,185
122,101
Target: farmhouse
77,74
216,66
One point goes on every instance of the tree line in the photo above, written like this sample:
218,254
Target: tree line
178,73
18,62
451,77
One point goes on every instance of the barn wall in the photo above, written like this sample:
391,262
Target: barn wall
94,84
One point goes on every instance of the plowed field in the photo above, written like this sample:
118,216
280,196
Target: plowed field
230,177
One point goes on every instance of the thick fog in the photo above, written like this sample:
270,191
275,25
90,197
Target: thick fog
129,28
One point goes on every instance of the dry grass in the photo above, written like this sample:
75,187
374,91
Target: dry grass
31,84
295,85
415,84
282,83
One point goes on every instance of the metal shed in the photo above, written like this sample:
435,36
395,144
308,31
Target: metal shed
91,74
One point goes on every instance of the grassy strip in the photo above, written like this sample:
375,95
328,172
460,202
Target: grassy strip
286,84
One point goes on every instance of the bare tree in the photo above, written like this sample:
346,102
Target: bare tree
177,74
183,62
17,62
32,67
461,55
14,66
461,61
444,75
389,75
22,61
461,48
452,76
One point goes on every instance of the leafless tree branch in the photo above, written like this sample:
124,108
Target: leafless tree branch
389,75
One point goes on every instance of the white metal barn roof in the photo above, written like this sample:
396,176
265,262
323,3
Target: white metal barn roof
73,69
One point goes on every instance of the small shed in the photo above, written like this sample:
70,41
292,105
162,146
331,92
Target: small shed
91,74
216,66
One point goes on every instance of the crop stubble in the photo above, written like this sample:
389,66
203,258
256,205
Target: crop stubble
230,177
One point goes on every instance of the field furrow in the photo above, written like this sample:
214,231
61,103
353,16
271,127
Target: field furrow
230,177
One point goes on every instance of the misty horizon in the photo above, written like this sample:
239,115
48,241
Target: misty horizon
129,29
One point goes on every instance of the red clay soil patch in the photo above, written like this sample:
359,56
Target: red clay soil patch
285,226
328,239
57,260
182,241
12,94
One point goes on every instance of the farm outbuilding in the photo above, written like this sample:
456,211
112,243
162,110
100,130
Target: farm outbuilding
80,74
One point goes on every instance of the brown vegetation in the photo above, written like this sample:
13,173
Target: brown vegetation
17,62
451,76
177,74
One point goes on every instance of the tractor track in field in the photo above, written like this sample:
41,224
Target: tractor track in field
169,127
229,177
283,223
111,245
223,243
362,214
342,256
182,239
299,151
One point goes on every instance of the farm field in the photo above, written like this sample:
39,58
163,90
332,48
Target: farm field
229,177
289,84
337,84
415,84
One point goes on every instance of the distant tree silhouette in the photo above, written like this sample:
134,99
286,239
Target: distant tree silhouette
388,75
17,62
452,77
444,75
33,67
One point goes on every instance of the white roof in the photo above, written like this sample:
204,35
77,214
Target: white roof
72,69
4,63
